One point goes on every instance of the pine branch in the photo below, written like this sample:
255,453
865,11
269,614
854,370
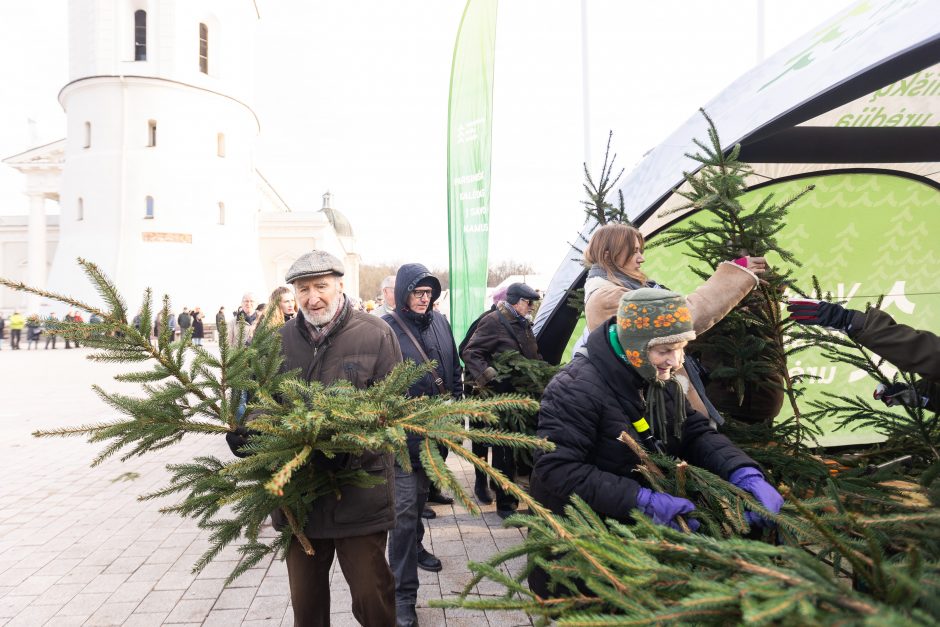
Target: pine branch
687,578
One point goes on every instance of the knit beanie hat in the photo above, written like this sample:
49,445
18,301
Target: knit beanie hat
649,317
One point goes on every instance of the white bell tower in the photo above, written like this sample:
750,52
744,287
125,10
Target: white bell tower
159,186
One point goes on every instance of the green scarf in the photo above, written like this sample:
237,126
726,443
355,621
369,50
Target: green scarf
656,409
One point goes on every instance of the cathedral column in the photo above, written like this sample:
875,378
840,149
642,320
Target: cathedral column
36,249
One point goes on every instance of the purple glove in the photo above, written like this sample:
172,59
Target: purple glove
663,508
751,480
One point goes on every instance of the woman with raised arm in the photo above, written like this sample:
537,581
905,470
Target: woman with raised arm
614,256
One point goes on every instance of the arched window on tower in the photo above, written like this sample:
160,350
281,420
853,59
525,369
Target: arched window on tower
220,144
148,215
87,134
221,212
203,48
140,35
80,209
151,133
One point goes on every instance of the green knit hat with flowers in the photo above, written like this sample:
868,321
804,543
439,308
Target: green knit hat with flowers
650,317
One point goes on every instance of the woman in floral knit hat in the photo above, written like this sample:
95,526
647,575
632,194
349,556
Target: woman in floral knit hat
623,380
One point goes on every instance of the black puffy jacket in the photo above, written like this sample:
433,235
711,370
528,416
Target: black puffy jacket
584,409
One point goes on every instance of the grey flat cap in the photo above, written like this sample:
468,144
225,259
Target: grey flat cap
314,263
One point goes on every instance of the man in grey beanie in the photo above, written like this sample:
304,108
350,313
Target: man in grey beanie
329,341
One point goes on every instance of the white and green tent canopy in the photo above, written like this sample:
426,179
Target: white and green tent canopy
852,107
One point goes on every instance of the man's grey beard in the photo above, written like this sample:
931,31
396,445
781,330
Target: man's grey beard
318,320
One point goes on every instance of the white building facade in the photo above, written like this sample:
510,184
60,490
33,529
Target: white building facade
156,181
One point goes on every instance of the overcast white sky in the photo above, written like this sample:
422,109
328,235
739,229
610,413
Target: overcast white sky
352,97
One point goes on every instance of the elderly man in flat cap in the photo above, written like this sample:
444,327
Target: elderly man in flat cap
507,328
328,341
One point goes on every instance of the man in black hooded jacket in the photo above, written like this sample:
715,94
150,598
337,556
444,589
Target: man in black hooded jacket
423,334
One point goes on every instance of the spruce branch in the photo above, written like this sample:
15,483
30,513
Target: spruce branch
746,351
596,206
674,576
299,424
298,531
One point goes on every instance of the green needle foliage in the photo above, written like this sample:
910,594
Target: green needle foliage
527,377
908,430
732,230
308,421
610,573
597,207
820,564
746,350
299,426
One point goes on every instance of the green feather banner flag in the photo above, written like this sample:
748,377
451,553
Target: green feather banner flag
469,143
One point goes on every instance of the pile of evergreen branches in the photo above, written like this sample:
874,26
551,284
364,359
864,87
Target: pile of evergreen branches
609,573
820,563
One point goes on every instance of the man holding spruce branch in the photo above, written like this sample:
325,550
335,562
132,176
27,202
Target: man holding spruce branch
505,328
330,341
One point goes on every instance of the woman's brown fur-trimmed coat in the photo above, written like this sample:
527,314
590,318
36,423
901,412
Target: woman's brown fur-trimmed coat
708,304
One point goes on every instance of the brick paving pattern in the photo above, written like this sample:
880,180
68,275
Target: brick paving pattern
78,548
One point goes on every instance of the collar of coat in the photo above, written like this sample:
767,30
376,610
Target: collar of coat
622,379
509,312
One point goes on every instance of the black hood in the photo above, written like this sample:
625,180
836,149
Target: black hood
407,279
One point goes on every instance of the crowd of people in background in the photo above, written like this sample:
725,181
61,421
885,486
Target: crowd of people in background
629,371
19,329
36,328
47,329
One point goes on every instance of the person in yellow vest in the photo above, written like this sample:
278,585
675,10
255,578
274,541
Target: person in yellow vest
17,322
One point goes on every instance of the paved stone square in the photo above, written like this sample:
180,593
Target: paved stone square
78,548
